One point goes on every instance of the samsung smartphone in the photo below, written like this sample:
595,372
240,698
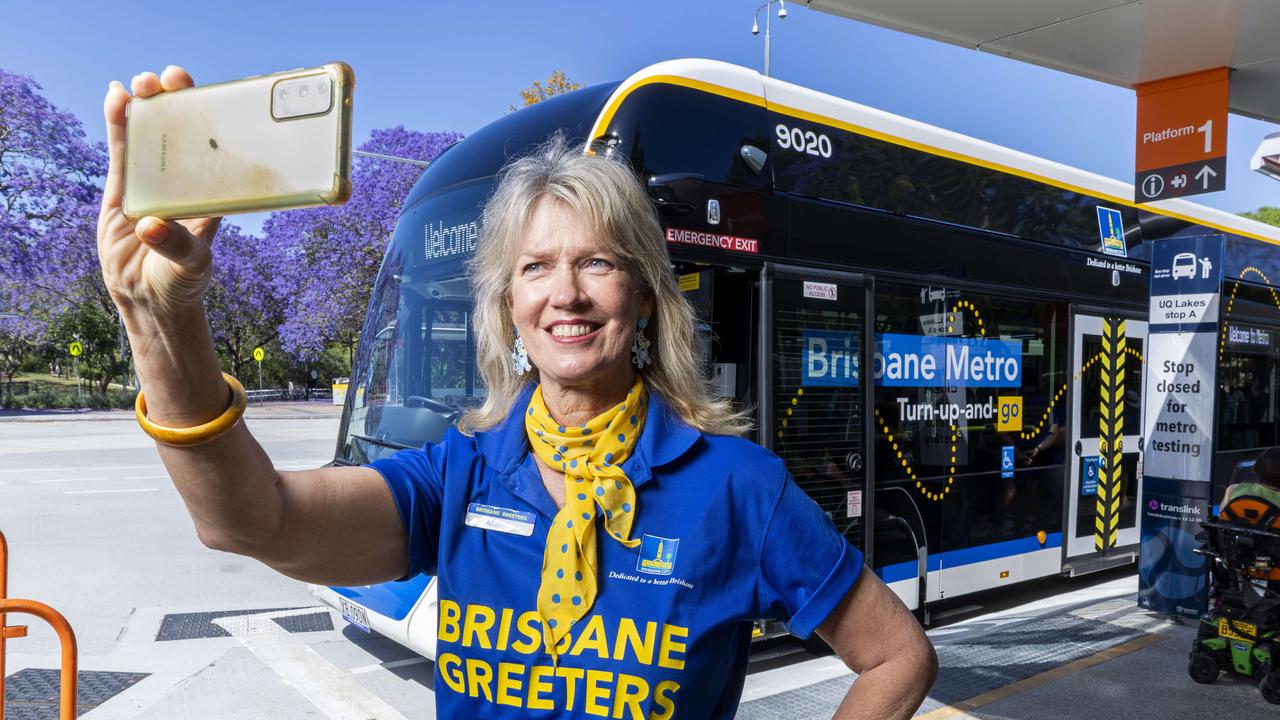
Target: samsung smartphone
262,143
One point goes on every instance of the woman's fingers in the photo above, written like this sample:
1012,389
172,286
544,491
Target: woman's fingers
204,228
174,242
113,112
175,78
146,84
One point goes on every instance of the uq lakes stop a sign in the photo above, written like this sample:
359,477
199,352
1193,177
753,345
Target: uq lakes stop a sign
1181,140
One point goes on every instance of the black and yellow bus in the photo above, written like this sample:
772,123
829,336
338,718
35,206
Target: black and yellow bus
914,314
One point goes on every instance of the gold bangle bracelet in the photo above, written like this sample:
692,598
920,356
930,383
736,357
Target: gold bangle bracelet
199,434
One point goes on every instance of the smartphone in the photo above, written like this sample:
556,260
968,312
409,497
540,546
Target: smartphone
266,142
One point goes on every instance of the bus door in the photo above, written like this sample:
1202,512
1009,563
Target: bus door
815,392
1108,352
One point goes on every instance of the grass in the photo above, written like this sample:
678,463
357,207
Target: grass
50,391
48,379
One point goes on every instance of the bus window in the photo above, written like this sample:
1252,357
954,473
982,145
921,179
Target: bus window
947,360
415,373
1248,376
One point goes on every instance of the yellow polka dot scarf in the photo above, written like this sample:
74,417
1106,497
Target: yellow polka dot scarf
591,456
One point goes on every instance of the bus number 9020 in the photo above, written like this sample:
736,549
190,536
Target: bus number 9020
805,141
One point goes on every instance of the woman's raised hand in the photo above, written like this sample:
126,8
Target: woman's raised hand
153,266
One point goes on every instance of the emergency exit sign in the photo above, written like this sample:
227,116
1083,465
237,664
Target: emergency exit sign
1182,136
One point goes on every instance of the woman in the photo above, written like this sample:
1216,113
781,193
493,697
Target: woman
601,537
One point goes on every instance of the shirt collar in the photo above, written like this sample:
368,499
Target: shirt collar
665,438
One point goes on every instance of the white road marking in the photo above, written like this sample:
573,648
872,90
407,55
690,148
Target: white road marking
364,669
103,492
333,691
147,477
62,480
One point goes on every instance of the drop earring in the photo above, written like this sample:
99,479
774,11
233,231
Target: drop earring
520,358
640,349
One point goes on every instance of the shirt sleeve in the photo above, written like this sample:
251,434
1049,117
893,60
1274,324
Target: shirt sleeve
416,481
806,565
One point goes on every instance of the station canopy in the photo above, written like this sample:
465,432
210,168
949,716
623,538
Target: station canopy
1117,42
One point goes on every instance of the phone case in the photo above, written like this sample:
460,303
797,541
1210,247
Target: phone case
217,149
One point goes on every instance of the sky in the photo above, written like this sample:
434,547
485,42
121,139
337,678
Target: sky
434,66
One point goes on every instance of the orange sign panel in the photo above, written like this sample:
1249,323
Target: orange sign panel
1181,138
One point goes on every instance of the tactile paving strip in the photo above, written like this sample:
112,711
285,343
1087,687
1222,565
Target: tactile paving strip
194,626
313,622
966,670
32,694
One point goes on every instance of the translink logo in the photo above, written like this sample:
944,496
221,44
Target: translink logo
1180,509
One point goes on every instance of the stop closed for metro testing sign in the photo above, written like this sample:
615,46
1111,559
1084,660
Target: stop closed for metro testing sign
1182,136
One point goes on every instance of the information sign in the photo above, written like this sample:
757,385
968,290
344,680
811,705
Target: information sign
1181,365
1181,138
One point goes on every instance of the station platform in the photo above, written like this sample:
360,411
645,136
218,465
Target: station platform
1091,653
1085,654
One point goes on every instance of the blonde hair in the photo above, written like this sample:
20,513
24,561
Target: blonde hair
608,197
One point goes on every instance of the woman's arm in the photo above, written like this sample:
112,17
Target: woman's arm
332,525
877,637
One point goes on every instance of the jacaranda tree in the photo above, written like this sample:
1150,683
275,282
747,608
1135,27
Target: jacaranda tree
50,190
243,303
329,256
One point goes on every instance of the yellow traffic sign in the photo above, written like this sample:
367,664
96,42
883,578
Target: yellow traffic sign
258,354
76,349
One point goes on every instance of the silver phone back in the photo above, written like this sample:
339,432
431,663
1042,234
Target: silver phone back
217,149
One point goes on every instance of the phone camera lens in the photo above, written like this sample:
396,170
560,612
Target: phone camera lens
302,91
283,93
322,87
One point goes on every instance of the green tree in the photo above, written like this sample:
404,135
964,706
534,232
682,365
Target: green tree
1268,214
98,331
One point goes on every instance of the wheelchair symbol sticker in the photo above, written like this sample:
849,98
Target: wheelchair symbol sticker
1089,475
1007,460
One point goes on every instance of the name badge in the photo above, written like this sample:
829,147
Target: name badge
506,520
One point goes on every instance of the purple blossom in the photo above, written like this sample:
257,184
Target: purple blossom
50,190
329,256
243,303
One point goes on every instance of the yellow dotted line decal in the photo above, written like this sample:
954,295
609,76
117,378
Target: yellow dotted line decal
965,305
1048,411
927,492
795,399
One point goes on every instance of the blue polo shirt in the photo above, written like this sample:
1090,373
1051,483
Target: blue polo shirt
726,537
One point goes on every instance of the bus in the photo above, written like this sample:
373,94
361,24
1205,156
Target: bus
914,315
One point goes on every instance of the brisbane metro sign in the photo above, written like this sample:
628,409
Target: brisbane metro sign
1182,136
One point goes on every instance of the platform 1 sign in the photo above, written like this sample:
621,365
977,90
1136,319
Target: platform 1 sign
1181,374
1181,138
